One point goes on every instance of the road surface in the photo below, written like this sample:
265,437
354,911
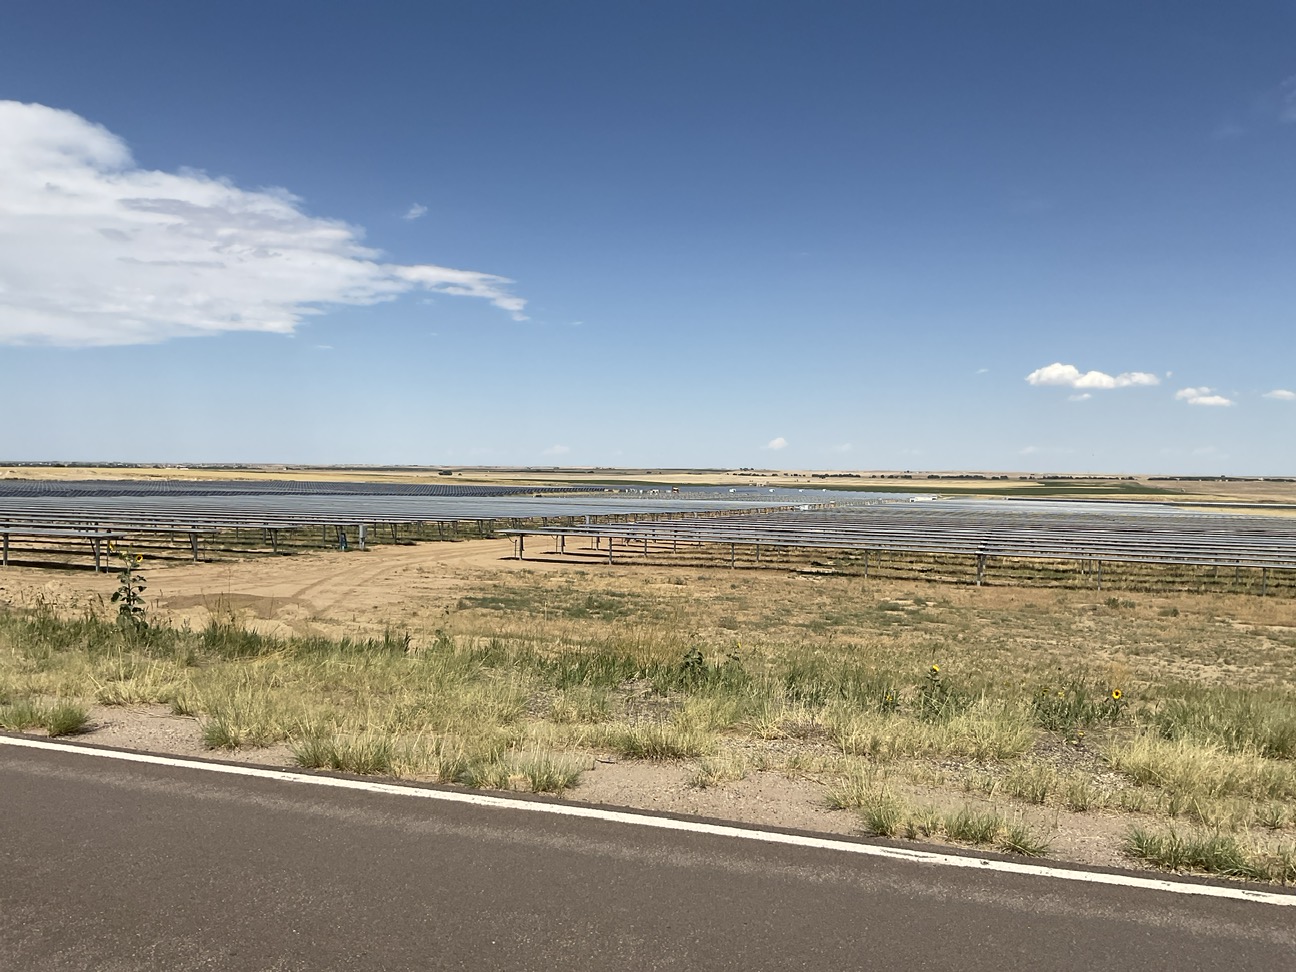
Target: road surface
111,865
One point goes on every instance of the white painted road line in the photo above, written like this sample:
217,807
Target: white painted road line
666,823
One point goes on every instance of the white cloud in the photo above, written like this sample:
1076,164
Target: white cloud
415,211
323,347
1281,395
97,251
779,443
843,447
1287,100
983,371
1081,397
557,450
1070,376
1201,396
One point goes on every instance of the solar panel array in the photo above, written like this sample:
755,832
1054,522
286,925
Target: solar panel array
64,489
196,507
1131,533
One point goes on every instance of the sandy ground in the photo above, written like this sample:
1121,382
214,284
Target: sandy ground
322,592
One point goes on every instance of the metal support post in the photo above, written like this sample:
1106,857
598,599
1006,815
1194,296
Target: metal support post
361,542
193,545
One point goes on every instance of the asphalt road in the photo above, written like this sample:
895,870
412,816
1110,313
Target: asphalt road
113,866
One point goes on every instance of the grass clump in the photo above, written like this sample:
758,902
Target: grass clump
1017,838
21,715
65,719
1213,853
660,740
1259,723
882,813
62,718
715,771
546,772
984,731
968,825
1191,771
854,788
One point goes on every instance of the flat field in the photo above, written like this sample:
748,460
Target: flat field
1142,488
1106,727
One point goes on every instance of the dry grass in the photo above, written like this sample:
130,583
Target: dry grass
1170,706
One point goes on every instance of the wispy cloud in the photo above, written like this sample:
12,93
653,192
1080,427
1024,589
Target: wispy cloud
557,450
1227,132
97,251
1081,397
1069,376
776,444
843,447
1287,100
983,371
417,211
1281,395
1201,396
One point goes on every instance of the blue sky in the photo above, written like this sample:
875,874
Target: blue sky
1008,236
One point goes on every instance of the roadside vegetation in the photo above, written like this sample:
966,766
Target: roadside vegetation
978,717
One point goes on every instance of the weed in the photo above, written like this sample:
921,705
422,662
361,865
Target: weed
129,595
1075,706
937,699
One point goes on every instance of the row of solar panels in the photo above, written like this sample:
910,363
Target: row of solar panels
1000,530
71,489
179,513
